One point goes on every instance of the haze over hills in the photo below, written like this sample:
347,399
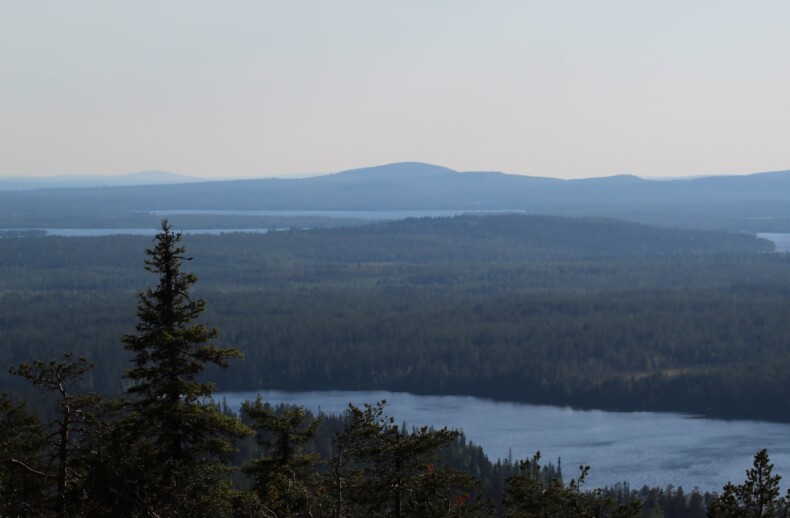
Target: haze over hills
150,177
755,202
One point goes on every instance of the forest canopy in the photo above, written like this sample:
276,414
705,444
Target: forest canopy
164,448
587,312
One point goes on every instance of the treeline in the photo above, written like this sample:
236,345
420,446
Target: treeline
719,352
460,239
493,477
517,236
679,350
522,252
164,449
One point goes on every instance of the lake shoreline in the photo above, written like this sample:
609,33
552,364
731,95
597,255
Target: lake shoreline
575,406
683,450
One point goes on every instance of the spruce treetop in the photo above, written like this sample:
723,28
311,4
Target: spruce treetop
170,348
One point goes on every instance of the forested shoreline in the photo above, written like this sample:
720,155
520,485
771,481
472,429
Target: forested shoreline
163,448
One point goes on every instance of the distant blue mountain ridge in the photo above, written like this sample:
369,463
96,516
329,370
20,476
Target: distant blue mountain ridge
753,202
151,177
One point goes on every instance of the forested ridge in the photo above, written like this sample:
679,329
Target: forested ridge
163,448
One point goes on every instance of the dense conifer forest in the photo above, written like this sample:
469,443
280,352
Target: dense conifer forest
162,447
585,312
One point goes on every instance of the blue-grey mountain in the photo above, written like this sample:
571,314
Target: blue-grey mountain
755,202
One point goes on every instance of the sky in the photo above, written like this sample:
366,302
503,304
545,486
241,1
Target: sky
255,88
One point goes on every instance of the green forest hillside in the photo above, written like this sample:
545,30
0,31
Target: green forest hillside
586,312
139,435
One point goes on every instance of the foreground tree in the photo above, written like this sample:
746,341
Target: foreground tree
62,458
380,469
178,441
531,494
24,487
284,475
757,497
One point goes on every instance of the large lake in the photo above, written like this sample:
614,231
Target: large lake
639,447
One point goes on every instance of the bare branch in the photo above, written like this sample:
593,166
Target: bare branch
28,468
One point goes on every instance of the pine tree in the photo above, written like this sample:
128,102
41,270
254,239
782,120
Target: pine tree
757,497
535,493
381,469
283,475
75,416
179,439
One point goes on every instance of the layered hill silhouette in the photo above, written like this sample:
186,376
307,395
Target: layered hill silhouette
755,202
151,177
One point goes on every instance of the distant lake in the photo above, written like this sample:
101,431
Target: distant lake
782,241
336,214
99,232
370,215
639,447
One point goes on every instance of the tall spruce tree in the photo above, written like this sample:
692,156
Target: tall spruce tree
181,441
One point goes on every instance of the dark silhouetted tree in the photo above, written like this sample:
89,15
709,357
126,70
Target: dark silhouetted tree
181,441
532,493
24,486
380,469
283,475
74,416
757,497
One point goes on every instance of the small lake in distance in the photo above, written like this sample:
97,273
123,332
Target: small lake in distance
367,215
104,232
642,448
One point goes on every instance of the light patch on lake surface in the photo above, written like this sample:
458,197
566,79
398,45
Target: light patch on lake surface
642,448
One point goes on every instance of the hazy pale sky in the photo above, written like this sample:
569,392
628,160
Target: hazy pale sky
259,88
